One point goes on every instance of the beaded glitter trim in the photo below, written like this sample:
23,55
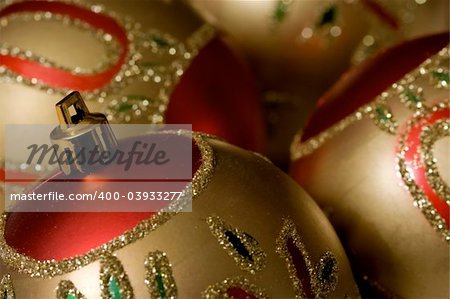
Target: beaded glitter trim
50,268
424,160
114,282
241,246
67,290
158,276
136,68
226,289
323,277
435,70
7,288
430,135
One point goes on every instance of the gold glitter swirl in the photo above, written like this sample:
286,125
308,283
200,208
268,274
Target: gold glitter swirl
248,254
220,290
7,288
158,276
428,137
50,268
289,231
323,276
114,280
436,72
67,290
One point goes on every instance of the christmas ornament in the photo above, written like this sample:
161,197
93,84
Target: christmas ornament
374,156
394,21
296,48
284,35
181,72
238,242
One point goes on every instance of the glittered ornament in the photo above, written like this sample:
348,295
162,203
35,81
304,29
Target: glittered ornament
150,62
315,38
237,242
374,156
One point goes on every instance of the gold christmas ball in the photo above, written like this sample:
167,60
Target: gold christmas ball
374,155
310,39
252,233
296,48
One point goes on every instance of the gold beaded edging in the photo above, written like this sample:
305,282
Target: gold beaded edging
410,94
429,135
219,290
157,266
66,288
50,268
320,286
7,288
113,279
219,228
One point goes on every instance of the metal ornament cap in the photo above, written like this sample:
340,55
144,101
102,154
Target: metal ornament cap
80,131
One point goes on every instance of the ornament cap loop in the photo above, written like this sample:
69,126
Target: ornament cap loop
80,134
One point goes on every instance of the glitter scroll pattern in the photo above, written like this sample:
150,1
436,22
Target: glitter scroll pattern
6,288
234,288
308,280
241,246
67,290
114,283
158,276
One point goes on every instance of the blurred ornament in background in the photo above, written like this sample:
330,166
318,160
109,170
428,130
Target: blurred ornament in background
374,155
394,21
311,38
296,48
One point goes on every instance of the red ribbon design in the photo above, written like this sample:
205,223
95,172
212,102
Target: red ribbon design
418,170
57,78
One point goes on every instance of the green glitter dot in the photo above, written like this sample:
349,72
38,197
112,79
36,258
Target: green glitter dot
412,97
441,76
280,11
114,289
70,296
124,107
160,285
160,41
382,114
